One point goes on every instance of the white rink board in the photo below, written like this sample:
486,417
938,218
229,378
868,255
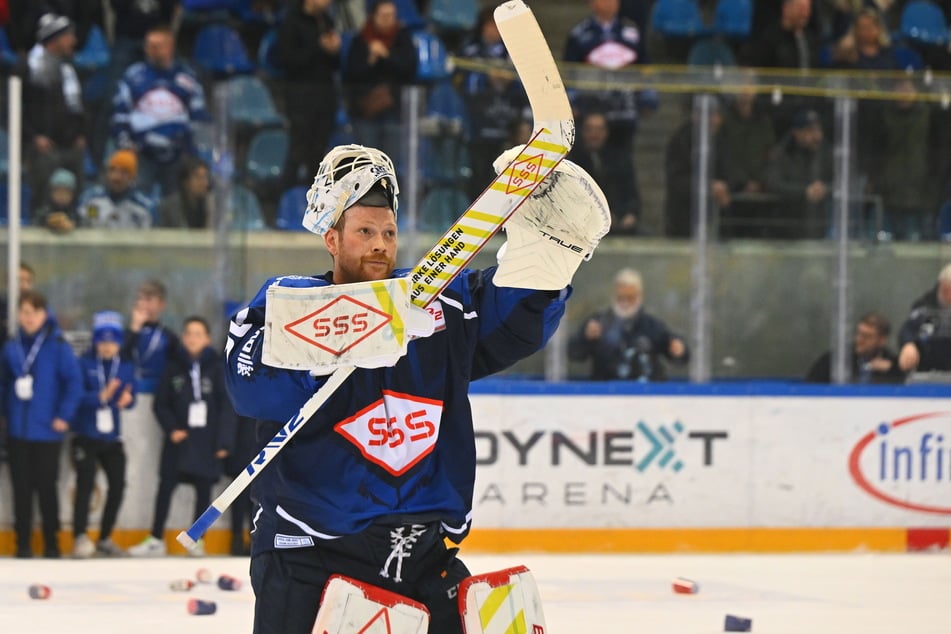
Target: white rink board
736,461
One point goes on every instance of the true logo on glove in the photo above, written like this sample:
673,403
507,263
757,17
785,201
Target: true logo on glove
328,333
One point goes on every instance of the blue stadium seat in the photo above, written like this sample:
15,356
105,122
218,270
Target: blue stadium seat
433,61
209,5
95,53
268,60
245,210
219,51
8,56
678,18
4,154
346,40
250,103
923,21
453,15
408,15
290,209
733,18
25,198
944,222
711,51
343,130
266,155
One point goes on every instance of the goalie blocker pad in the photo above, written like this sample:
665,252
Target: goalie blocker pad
366,324
501,602
348,606
554,230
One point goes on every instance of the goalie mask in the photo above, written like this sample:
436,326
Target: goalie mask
349,174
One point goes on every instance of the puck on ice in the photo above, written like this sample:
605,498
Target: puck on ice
685,586
737,624
204,575
38,591
181,585
227,582
199,607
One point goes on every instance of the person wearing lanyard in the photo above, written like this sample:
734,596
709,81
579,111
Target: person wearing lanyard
109,384
148,343
192,406
40,388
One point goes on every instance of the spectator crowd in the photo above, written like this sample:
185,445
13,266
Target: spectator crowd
121,102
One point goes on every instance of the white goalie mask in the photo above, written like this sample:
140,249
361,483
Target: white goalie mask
346,174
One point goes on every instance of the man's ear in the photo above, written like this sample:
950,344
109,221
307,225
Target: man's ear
332,241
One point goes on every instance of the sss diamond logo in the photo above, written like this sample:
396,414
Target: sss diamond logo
333,326
524,174
395,432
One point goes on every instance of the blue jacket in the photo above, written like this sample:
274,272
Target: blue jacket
149,350
96,374
153,110
57,384
390,441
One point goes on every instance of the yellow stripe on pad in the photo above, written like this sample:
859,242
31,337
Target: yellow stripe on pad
386,303
492,604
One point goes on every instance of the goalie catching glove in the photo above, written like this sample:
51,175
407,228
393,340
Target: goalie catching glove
554,230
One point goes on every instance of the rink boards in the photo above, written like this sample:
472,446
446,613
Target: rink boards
668,468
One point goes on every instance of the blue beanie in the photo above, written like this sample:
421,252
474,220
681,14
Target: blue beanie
107,326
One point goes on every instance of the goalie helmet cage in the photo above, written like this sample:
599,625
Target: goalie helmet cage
554,134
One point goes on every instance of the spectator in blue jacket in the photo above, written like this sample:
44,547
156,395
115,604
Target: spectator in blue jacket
156,103
148,342
109,386
198,422
40,387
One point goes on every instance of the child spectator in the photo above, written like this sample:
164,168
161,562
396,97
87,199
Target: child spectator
59,213
109,387
40,390
192,407
149,343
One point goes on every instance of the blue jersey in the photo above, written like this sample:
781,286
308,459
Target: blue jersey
394,441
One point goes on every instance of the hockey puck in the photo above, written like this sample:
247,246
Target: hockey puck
204,575
227,582
199,607
38,591
685,586
737,624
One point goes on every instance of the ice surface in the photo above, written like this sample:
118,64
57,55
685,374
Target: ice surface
589,594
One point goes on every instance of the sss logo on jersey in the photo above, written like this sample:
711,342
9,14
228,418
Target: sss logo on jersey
395,432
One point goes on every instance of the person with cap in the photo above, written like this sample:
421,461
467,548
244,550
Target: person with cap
156,104
799,172
59,215
117,204
109,387
53,115
384,471
40,389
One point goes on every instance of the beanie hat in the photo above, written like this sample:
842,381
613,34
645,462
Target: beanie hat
124,160
107,326
50,25
62,178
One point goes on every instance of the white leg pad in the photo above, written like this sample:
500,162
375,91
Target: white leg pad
501,602
349,606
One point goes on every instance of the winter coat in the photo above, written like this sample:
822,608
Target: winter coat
96,375
194,456
57,384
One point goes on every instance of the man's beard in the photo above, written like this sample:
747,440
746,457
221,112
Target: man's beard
625,311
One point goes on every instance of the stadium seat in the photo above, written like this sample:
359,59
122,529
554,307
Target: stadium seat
250,103
678,18
25,198
4,153
433,61
944,222
245,210
219,51
342,133
711,51
733,18
453,15
95,54
268,60
924,22
290,209
8,56
408,15
266,155
209,5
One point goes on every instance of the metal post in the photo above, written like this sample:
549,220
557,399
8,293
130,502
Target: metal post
410,178
844,108
222,174
14,130
700,309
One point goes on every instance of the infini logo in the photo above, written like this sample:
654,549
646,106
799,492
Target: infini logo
907,462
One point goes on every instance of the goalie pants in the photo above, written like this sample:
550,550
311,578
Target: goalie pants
288,583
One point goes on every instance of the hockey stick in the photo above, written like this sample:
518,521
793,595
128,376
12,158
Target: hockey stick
554,134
